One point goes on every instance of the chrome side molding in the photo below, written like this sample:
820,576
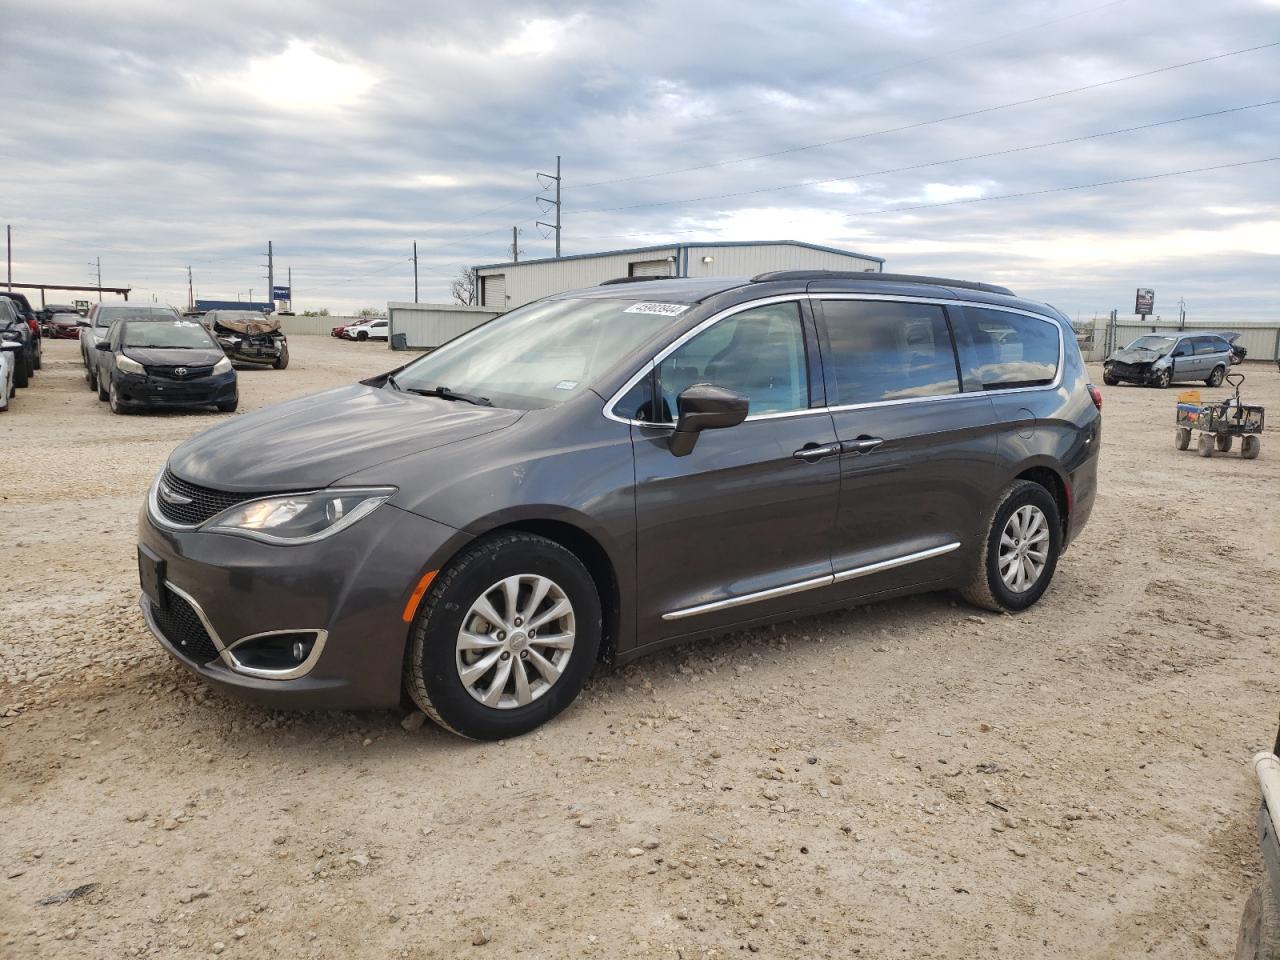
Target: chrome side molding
813,584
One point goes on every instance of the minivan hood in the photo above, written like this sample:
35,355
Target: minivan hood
1135,355
315,441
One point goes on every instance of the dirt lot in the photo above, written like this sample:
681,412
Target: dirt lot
910,779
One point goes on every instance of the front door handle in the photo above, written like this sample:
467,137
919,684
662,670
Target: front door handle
812,452
863,444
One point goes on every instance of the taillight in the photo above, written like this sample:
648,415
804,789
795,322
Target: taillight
1096,394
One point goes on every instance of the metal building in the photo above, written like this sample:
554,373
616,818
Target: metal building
502,286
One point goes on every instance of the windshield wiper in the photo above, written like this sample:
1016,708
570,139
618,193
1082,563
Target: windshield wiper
444,393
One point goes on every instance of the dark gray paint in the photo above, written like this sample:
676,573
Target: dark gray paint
737,515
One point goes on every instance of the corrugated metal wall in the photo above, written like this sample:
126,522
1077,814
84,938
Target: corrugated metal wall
427,325
748,261
1261,340
527,282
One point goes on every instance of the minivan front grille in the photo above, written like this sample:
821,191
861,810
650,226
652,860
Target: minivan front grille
181,626
189,504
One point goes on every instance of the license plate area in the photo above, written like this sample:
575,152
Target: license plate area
151,576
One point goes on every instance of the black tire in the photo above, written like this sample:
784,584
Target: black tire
362,335
1109,380
1182,438
91,377
1259,936
20,376
431,670
113,401
283,360
1223,442
1215,379
103,393
1163,378
31,362
39,354
229,406
987,589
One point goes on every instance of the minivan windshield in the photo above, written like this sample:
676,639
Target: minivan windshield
1160,345
181,335
541,354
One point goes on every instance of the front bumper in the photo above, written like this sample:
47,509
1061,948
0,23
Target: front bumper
1131,372
352,588
136,389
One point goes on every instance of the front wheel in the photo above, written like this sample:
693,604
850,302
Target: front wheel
229,406
1110,380
282,361
505,638
1021,550
1182,439
1205,444
1259,935
113,400
1250,446
20,375
1163,378
362,335
1215,379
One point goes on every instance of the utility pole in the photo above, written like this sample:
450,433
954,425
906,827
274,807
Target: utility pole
515,245
291,289
415,271
1182,314
98,262
271,277
552,203
8,246
191,296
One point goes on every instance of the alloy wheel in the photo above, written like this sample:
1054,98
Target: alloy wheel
515,641
1024,548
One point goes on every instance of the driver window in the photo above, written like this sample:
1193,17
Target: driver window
758,353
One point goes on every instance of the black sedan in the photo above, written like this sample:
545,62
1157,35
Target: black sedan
163,363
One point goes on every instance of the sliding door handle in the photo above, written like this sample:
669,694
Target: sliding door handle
863,444
812,452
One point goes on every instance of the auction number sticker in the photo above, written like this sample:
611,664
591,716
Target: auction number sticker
662,309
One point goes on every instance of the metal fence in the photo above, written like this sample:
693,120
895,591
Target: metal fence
1101,335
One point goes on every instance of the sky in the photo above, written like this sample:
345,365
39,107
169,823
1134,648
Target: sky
158,136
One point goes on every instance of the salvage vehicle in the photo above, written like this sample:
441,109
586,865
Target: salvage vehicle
163,363
249,337
9,351
100,319
612,470
367,330
35,342
64,326
14,329
1259,934
1238,350
1159,359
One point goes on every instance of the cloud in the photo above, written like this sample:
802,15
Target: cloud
161,135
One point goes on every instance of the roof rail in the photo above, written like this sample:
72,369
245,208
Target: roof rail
796,275
605,283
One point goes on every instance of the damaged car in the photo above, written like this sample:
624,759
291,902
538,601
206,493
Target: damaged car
249,337
1160,359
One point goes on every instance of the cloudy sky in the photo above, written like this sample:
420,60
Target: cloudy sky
162,135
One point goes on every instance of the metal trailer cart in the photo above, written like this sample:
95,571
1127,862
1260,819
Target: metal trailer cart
1219,423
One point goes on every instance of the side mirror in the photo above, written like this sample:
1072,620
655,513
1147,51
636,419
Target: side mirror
102,345
705,407
82,323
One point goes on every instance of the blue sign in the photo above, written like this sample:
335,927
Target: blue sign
280,293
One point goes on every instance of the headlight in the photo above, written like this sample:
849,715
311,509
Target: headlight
222,366
300,517
129,365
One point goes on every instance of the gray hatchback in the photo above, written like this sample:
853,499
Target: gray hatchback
612,470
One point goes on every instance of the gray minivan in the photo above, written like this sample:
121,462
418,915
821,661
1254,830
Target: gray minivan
611,470
1164,358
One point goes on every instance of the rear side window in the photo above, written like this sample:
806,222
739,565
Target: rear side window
888,351
1208,345
1012,350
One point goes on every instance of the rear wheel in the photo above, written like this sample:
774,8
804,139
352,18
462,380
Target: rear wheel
1250,447
39,354
103,394
1021,550
1215,379
20,376
1223,442
91,377
505,638
1182,439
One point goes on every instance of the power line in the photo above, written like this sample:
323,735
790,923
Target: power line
933,163
925,123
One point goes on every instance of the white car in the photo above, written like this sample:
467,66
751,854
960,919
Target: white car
10,354
368,330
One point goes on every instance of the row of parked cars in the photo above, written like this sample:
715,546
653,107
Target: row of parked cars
376,328
143,355
21,346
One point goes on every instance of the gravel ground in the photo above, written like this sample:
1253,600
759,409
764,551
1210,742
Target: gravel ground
911,778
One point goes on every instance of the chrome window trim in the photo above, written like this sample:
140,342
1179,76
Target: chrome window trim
225,654
838,408
814,583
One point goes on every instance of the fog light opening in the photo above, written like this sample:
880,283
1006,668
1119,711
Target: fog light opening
283,652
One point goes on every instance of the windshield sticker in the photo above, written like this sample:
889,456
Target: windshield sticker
566,384
662,309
